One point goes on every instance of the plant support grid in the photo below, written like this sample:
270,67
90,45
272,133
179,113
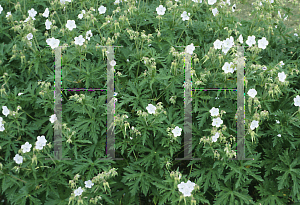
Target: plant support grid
110,151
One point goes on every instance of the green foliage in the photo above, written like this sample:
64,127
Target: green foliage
147,74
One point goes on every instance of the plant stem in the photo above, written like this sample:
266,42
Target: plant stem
59,20
14,177
180,36
28,114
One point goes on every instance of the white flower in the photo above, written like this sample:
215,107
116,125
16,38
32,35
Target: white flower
83,11
42,139
197,1
277,121
160,10
252,92
18,159
190,48
29,36
78,191
233,7
262,43
217,44
112,63
281,63
177,131
20,94
32,13
117,2
39,145
254,124
89,184
215,11
186,188
89,34
8,14
227,67
297,101
70,25
102,9
211,2
215,137
279,135
228,43
41,142
217,122
241,38
190,185
52,42
5,111
184,16
279,14
28,18
79,40
48,24
80,16
251,40
151,108
281,76
46,13
1,9
127,60
295,34
53,118
26,147
2,127
214,111
63,1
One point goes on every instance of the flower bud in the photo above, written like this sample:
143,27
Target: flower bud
158,34
76,177
80,201
69,141
34,159
105,184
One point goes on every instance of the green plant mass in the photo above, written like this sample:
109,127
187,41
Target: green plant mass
170,102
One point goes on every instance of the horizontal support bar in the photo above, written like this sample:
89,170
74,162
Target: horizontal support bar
82,89
215,89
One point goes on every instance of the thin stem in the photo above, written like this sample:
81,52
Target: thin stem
87,112
59,20
159,24
27,114
180,36
135,156
138,64
14,177
145,120
35,43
